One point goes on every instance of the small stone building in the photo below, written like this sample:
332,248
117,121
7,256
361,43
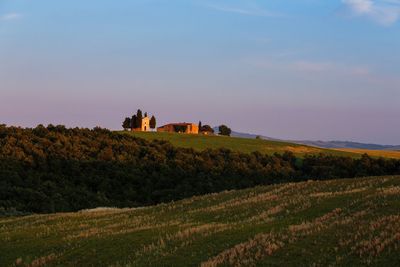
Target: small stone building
188,128
145,127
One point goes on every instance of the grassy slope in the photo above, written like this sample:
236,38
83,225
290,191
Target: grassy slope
340,222
201,142
374,153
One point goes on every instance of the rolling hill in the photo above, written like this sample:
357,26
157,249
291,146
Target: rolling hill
349,222
247,145
56,169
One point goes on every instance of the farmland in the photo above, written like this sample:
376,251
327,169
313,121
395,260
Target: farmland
348,222
245,145
394,154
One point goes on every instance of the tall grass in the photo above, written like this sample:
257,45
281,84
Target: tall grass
330,223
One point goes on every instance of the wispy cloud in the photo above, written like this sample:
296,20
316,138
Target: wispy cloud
11,16
384,12
310,67
332,67
253,11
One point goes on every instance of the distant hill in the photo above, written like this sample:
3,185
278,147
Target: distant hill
347,144
322,144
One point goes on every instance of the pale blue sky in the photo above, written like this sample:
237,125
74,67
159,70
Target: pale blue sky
304,69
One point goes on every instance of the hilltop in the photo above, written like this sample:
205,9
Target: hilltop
245,145
248,143
348,222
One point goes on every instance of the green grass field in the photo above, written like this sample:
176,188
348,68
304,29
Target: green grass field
350,222
201,142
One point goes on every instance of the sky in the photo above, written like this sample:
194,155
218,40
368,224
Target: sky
304,69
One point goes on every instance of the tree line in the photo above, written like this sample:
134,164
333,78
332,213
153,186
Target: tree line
56,169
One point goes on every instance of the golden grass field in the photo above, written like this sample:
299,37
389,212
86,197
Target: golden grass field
348,222
374,153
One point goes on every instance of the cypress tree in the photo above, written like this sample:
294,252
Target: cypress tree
139,116
153,122
134,122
